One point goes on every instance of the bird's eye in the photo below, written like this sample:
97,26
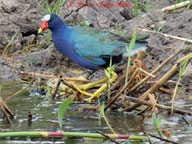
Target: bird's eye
51,20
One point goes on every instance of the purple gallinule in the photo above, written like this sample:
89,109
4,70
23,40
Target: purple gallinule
86,46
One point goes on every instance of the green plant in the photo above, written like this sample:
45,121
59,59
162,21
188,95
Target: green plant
181,72
137,10
85,23
119,31
129,50
161,26
102,113
62,110
108,74
189,5
175,8
28,46
157,123
10,42
182,67
178,1
51,135
48,89
56,9
148,8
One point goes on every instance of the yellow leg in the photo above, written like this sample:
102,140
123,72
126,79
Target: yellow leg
85,87
90,85
103,87
82,89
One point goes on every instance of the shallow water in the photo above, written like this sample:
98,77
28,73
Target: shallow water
45,111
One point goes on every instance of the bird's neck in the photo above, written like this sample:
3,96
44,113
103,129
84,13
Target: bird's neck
60,28
61,38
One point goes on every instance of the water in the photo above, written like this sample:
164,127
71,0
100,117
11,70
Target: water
44,113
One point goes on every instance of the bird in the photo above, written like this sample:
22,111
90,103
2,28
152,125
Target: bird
88,47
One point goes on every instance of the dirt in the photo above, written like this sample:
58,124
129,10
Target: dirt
24,18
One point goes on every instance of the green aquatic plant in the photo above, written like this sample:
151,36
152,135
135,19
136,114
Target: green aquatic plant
85,23
181,72
62,110
129,50
47,8
68,134
137,10
102,113
157,122
10,42
108,74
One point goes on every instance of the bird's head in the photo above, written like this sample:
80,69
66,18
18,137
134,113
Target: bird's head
50,21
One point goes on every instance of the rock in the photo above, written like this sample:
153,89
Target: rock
6,71
99,16
17,17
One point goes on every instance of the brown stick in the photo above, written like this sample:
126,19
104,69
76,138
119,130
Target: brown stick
5,109
107,137
170,92
115,97
140,101
169,141
167,35
173,96
153,72
176,6
155,87
5,114
189,56
141,82
15,94
3,103
56,87
160,82
51,76
68,84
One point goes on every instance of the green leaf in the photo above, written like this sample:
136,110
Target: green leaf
111,69
136,8
10,42
107,73
157,123
159,120
102,108
132,43
48,7
154,117
129,50
62,110
183,66
159,29
85,23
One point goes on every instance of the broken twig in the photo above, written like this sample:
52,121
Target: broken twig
5,109
155,87
168,36
160,82
176,6
56,87
144,102
166,140
153,72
